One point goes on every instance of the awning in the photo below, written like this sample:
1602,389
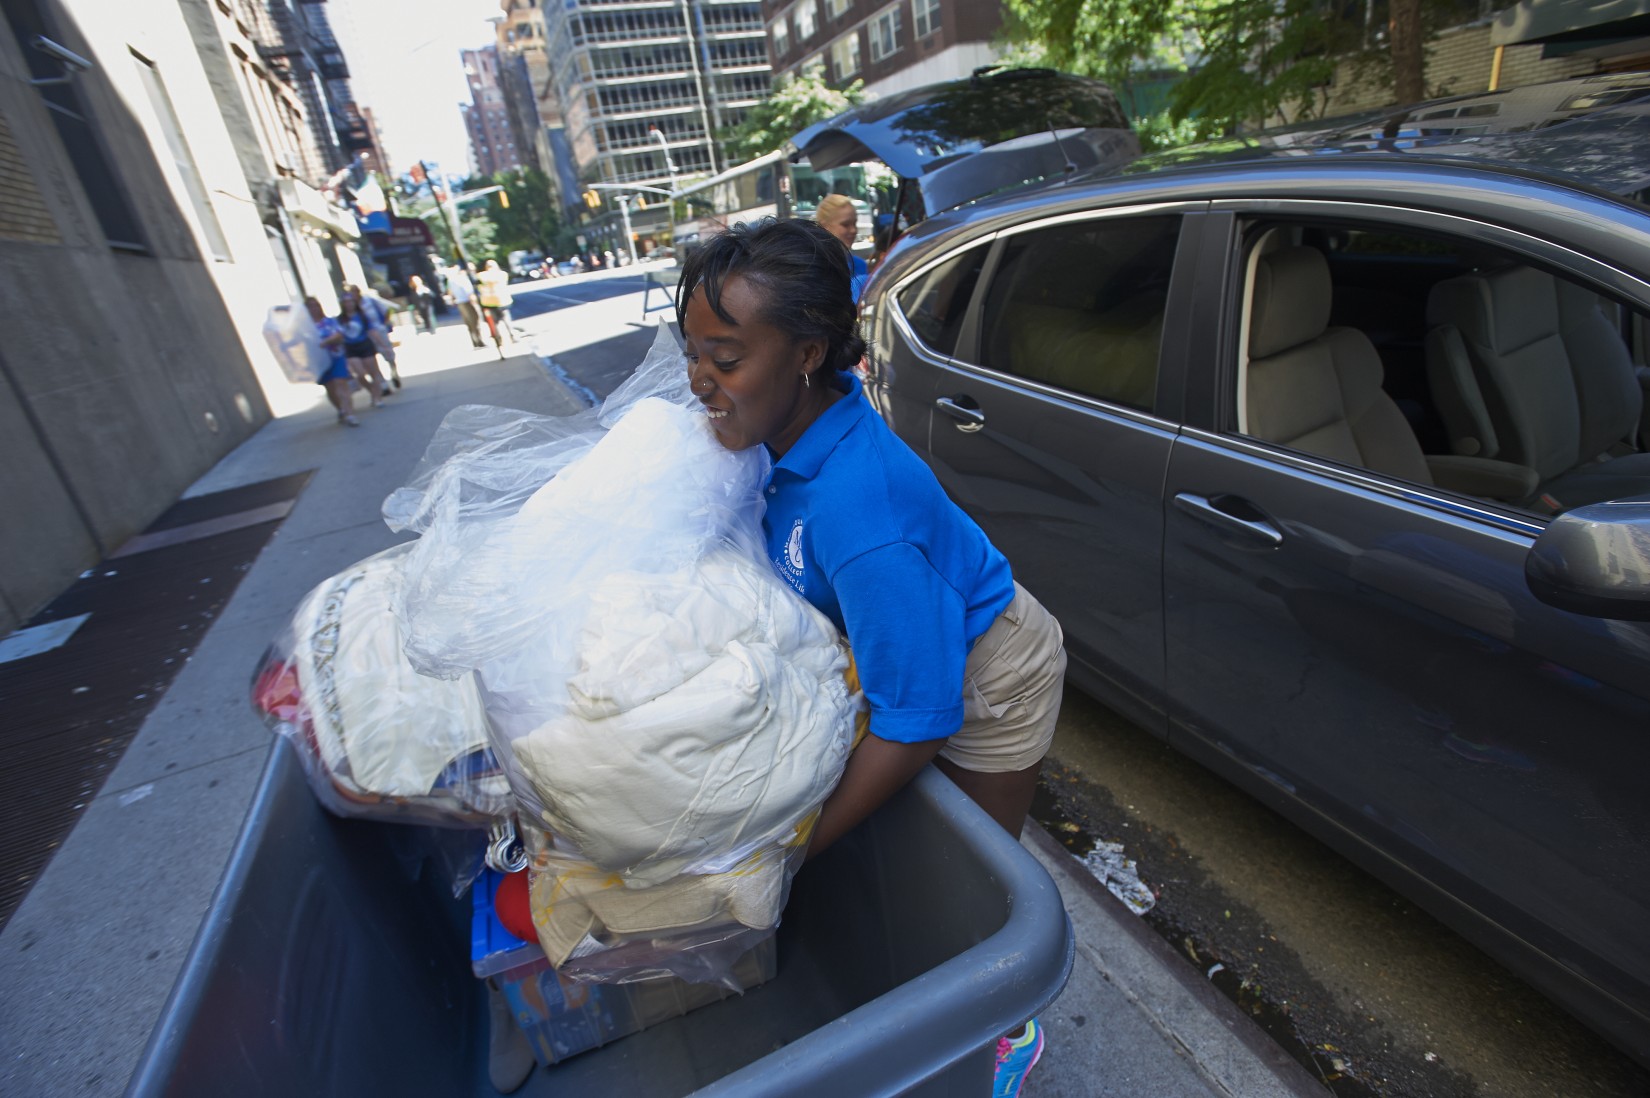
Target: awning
1598,22
309,205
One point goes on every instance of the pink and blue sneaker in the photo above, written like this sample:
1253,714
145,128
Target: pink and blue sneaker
1015,1058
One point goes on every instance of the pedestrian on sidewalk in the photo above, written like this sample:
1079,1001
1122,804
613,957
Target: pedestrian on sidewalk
359,348
423,300
961,666
336,378
496,299
840,217
464,296
378,316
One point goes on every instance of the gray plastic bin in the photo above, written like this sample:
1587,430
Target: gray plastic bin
326,967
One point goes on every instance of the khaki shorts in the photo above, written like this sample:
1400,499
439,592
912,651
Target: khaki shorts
1011,690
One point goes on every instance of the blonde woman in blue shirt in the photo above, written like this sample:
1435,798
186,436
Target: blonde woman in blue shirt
960,665
838,215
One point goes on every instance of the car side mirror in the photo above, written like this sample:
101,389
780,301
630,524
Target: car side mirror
1595,560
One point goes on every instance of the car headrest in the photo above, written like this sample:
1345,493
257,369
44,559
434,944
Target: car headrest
1291,300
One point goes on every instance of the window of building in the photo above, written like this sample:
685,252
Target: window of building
836,9
925,17
806,21
781,37
845,55
814,65
885,27
1080,307
104,189
183,159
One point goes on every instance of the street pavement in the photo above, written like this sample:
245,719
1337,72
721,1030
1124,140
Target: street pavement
88,960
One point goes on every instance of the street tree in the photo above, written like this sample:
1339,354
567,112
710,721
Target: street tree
1243,60
530,220
478,231
795,103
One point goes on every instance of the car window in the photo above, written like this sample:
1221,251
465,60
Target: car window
936,301
1443,362
1080,306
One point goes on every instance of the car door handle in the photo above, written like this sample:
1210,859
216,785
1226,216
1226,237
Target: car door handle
968,415
1233,514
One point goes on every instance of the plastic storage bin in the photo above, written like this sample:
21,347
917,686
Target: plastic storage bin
562,1018
324,967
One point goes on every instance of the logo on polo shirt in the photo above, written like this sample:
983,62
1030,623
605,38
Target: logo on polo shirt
792,566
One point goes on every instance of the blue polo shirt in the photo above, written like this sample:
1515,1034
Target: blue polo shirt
859,526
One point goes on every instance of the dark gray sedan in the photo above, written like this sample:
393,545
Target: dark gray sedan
1328,449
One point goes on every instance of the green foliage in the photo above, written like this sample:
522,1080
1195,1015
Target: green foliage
1161,131
480,234
532,222
795,103
1243,60
1261,56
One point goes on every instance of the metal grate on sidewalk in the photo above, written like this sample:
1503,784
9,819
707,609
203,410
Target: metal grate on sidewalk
77,682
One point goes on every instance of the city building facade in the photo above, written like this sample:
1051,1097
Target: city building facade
647,89
281,86
890,46
137,271
486,117
524,76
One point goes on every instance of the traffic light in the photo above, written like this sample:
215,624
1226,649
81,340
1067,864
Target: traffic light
504,199
592,200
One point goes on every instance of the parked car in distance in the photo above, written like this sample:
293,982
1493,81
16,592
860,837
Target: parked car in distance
1327,447
526,265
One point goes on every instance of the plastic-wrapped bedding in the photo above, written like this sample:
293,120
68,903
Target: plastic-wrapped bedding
377,740
669,714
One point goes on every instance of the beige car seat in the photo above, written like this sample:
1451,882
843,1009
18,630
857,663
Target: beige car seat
1526,368
1317,388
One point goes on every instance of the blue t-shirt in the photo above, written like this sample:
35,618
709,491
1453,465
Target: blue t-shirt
859,526
326,327
859,272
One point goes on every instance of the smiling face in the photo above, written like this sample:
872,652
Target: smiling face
844,226
748,374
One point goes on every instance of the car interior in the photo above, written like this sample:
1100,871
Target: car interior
1081,308
1443,363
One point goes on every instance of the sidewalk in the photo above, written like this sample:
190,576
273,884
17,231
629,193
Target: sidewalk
88,960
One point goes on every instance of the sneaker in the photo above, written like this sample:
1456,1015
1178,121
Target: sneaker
349,421
1015,1058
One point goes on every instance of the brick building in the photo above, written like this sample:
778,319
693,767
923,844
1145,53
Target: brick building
890,46
486,117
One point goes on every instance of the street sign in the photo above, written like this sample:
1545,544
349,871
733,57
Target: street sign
404,232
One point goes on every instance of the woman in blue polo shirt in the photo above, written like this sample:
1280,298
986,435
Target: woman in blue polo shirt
961,666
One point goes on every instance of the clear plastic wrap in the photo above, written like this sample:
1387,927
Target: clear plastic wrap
669,714
376,739
295,343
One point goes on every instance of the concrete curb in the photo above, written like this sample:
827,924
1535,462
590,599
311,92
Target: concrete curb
1231,1054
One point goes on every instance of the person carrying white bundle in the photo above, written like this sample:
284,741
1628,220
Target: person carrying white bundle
670,713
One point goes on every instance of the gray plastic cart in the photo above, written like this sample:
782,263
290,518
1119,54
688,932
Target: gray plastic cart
333,962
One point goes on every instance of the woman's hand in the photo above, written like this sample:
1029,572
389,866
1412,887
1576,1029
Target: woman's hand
876,770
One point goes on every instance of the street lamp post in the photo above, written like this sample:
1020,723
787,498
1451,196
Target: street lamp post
629,238
670,165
